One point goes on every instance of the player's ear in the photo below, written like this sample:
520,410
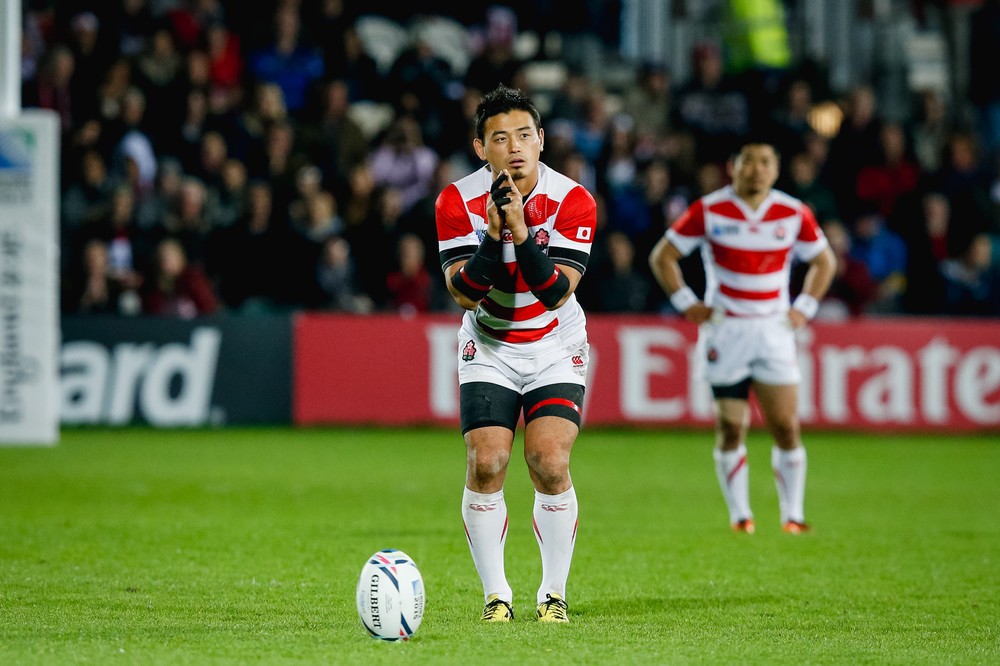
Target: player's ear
541,139
480,149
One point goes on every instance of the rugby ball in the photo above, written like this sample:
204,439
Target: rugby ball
390,596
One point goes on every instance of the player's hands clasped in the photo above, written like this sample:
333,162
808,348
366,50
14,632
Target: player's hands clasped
506,207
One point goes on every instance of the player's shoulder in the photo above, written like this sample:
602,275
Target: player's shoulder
464,189
721,195
785,199
558,186
474,184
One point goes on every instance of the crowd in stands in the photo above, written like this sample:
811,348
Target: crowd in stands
213,159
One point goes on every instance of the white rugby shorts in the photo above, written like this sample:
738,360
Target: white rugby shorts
482,360
730,349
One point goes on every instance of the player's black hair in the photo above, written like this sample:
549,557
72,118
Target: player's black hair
503,100
762,139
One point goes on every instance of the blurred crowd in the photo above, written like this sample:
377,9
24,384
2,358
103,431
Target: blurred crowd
222,156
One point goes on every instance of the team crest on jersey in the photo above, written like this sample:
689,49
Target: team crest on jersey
779,232
713,355
542,239
469,351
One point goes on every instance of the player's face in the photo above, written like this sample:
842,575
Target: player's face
512,141
755,169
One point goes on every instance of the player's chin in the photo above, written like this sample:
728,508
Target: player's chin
520,170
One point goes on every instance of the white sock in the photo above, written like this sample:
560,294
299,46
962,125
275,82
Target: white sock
554,518
734,478
789,467
485,518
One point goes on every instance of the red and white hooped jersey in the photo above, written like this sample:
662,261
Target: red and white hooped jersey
561,216
747,253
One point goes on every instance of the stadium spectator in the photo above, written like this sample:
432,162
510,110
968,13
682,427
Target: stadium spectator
348,61
930,129
496,61
421,84
333,140
790,120
131,26
225,57
91,58
855,146
852,288
965,180
619,285
648,103
134,158
984,85
84,200
230,199
894,176
52,89
128,246
409,286
360,209
186,144
336,281
971,281
711,107
806,185
263,106
189,222
287,61
212,157
159,75
569,102
591,130
321,219
280,163
176,288
89,287
154,209
402,161
884,252
249,255
929,243
746,337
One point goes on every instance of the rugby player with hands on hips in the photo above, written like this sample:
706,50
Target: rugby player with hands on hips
748,234
514,239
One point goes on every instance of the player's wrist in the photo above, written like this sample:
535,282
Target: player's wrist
807,305
490,248
683,299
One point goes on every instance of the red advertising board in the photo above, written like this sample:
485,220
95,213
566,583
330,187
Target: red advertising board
883,374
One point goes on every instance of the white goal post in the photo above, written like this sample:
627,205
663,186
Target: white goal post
29,254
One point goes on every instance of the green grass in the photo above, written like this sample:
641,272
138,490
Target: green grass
244,546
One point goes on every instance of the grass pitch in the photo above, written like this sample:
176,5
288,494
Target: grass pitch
244,546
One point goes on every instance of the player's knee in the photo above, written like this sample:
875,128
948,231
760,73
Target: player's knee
485,464
786,433
549,462
550,468
729,432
